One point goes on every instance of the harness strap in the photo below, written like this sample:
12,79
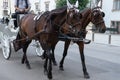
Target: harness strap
74,39
29,38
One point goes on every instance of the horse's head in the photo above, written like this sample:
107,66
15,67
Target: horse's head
73,17
72,9
97,19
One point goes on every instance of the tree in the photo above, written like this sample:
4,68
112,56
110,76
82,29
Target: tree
82,3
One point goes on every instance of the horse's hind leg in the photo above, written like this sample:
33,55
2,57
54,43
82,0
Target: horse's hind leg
64,54
53,56
81,48
24,59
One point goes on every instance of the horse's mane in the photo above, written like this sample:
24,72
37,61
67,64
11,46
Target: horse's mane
59,10
56,12
85,11
46,14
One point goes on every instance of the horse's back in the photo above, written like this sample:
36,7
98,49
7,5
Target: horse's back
28,24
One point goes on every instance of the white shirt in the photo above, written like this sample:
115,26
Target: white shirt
22,4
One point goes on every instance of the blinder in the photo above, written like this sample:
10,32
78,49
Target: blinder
103,14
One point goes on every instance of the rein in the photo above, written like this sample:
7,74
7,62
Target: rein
73,25
64,37
102,21
29,38
74,39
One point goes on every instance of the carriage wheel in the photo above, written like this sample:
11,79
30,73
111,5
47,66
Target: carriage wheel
6,47
38,49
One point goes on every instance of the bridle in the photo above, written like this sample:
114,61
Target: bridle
102,21
94,22
71,25
72,36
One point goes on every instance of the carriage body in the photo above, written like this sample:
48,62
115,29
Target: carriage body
7,35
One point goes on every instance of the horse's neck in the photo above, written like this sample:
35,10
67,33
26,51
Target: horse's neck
63,19
60,18
55,19
86,19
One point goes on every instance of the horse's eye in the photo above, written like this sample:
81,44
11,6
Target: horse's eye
75,15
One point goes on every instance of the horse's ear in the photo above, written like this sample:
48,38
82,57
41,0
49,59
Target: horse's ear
76,4
68,4
99,4
103,14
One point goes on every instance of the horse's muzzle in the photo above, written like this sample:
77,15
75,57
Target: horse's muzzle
102,30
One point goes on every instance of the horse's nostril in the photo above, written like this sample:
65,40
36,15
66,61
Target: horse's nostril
102,30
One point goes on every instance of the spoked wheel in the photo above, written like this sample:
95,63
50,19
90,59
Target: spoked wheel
38,49
6,47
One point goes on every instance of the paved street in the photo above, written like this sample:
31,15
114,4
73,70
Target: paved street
103,63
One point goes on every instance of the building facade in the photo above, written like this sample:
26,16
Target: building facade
112,13
7,6
47,5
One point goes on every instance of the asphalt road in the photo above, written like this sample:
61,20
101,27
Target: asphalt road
102,61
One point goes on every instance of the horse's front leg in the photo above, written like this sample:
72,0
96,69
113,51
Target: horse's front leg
49,56
45,65
64,54
81,49
53,56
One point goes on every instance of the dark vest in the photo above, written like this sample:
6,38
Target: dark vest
26,2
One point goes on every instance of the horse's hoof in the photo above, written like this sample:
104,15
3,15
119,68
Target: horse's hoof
61,68
54,63
42,57
28,66
45,72
50,77
86,76
22,61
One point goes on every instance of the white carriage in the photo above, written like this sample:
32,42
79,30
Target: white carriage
8,34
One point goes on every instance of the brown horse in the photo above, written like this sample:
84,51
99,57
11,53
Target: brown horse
95,16
46,31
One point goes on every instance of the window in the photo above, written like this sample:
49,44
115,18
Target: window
116,25
37,7
5,12
47,6
5,4
116,5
